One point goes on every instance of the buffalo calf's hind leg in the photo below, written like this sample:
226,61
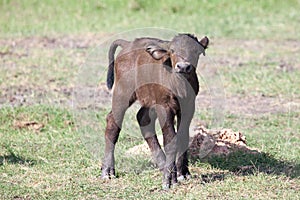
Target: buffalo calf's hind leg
120,103
146,118
111,137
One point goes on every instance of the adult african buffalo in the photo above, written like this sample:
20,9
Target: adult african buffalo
161,75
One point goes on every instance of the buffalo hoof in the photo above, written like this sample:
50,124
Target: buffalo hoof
182,178
169,186
108,173
166,186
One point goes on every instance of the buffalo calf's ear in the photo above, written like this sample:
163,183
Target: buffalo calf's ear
156,51
204,42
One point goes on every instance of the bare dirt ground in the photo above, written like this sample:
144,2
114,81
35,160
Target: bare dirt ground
42,70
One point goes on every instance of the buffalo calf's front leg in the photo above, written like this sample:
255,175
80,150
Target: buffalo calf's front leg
166,121
182,156
184,121
170,170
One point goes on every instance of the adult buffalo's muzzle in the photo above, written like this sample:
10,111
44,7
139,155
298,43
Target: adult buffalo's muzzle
183,67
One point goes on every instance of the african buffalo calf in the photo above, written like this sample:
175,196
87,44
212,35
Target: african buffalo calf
161,75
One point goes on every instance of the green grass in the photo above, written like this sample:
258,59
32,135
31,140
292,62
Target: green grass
247,80
255,19
47,50
54,163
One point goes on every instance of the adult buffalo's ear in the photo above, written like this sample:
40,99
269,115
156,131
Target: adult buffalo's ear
156,51
204,42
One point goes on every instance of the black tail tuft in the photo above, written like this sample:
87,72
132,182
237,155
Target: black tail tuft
111,59
110,76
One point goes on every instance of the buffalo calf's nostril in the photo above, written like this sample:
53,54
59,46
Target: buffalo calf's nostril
188,68
183,67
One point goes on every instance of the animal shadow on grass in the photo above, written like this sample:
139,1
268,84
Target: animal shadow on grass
12,158
242,164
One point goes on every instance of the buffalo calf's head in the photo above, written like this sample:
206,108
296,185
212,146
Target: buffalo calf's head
183,51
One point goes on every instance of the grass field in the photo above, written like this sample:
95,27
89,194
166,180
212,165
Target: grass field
52,149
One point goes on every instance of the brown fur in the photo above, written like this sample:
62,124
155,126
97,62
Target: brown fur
161,75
